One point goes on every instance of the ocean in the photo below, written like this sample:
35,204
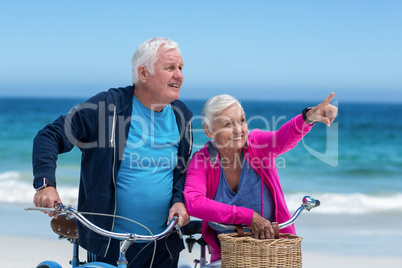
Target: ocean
353,167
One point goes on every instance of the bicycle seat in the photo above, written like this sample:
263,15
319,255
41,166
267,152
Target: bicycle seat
65,227
194,227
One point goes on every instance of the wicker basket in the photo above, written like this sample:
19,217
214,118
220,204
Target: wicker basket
249,252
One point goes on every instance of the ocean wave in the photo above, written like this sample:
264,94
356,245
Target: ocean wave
349,203
14,189
9,175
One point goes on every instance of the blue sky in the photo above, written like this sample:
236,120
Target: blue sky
288,50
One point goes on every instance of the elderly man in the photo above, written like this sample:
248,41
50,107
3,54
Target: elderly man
136,144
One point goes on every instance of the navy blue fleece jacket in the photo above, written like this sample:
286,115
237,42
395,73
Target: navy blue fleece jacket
99,128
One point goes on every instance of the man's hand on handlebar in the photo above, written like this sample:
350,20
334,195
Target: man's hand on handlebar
46,198
179,209
261,228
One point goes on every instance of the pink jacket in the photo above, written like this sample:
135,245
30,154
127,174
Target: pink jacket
261,151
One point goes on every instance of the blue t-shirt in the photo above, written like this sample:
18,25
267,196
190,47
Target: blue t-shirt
144,181
248,193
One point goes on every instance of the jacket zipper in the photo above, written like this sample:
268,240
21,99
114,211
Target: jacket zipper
113,144
191,139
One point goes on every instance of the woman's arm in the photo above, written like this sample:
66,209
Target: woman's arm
279,141
289,134
199,188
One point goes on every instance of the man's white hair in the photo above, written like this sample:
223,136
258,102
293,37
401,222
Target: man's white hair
146,54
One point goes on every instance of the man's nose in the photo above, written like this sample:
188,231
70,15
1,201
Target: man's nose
178,74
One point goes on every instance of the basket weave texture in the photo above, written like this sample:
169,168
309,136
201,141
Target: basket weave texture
249,252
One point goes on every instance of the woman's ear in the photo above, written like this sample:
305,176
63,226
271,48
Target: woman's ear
143,73
208,132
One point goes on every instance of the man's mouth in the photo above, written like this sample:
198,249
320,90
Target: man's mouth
236,139
174,85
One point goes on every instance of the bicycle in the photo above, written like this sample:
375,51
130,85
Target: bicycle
66,227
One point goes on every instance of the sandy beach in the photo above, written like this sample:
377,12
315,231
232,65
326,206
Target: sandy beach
18,252
328,240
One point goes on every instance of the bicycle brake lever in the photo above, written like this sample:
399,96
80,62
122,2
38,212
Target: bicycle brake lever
179,231
57,209
176,226
47,210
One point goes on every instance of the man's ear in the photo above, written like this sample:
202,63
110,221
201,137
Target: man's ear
143,73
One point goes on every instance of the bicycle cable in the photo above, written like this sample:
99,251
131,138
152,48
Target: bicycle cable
117,216
124,218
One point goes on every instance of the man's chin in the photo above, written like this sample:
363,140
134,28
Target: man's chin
174,96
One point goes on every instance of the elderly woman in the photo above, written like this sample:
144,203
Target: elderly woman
233,178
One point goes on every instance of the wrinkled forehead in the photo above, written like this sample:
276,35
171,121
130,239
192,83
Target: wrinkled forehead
172,53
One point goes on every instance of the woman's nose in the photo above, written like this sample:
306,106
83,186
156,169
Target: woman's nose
236,128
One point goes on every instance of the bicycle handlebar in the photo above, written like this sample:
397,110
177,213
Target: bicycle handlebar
71,212
308,203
